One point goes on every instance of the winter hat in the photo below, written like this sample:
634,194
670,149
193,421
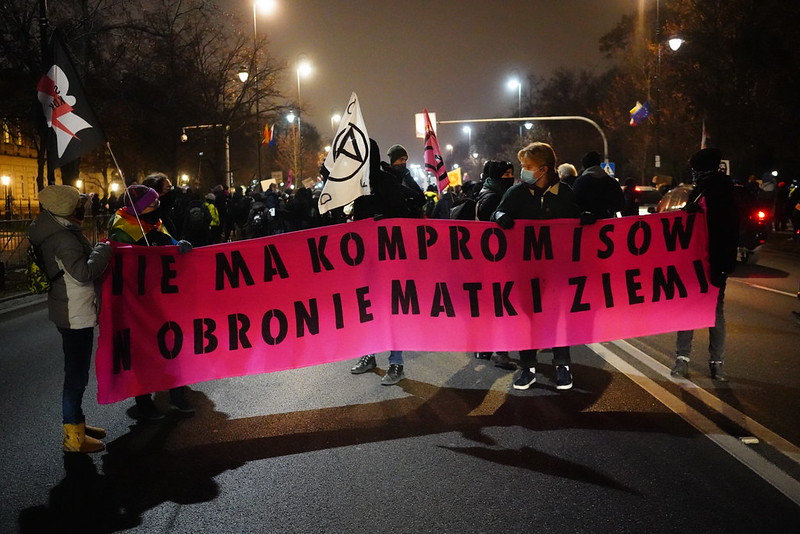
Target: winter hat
60,199
211,197
496,169
707,159
140,197
591,159
396,152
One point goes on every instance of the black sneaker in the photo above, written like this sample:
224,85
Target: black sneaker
563,377
717,370
526,378
177,399
146,409
393,375
681,367
365,363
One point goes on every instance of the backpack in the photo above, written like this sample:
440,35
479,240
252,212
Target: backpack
465,210
198,218
36,278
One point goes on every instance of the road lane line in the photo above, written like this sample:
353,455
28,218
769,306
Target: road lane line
766,470
765,288
754,428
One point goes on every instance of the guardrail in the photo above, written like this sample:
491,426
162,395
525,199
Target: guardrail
14,237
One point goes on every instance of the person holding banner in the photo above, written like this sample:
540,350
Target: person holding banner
138,223
498,177
722,219
393,193
73,266
539,195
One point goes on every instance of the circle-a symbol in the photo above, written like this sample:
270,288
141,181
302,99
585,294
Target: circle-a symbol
350,153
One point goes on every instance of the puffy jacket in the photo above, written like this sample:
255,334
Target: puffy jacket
72,300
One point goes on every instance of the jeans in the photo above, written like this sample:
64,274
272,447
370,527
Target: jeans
560,357
77,346
716,334
396,357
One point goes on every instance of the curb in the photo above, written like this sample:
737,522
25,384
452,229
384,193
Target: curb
20,301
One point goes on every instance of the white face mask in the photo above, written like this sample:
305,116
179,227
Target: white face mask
527,176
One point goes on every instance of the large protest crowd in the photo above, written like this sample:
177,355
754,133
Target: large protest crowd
156,213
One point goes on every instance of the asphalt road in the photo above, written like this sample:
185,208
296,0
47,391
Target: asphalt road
450,449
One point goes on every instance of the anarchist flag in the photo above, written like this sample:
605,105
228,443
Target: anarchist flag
433,156
347,161
73,128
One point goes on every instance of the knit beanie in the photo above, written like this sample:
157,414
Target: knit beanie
139,197
495,169
396,152
60,199
707,159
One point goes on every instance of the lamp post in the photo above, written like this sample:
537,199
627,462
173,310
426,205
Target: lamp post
515,83
468,130
227,144
266,7
303,68
6,181
336,118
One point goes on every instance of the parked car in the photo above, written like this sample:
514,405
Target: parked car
753,219
674,199
647,197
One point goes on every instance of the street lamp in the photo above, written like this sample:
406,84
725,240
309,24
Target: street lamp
515,83
675,43
243,74
468,130
6,181
336,118
266,7
303,68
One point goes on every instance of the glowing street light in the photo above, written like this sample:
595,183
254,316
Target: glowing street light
243,74
468,130
336,118
675,43
290,117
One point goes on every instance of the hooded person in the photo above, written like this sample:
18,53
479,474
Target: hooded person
74,268
722,219
498,177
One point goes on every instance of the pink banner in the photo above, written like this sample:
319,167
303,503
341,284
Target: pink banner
338,292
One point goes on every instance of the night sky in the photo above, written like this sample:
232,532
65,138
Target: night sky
452,57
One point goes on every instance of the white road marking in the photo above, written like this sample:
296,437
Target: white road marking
765,288
766,470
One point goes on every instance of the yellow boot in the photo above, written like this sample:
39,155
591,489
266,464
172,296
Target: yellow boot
94,431
76,440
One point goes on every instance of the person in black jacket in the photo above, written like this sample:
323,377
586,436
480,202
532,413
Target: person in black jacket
498,177
722,219
393,193
596,191
539,195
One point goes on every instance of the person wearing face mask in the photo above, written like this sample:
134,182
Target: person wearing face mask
138,223
498,177
73,266
539,195
722,219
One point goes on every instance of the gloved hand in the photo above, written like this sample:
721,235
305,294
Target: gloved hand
587,217
184,246
718,279
692,207
505,221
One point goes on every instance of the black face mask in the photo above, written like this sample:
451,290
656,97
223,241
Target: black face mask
150,218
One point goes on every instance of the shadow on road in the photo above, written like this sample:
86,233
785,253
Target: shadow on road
176,460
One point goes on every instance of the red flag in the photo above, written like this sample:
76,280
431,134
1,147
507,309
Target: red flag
73,127
433,156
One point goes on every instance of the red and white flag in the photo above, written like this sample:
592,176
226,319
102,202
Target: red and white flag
433,156
73,127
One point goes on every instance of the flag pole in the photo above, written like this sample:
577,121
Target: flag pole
122,176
